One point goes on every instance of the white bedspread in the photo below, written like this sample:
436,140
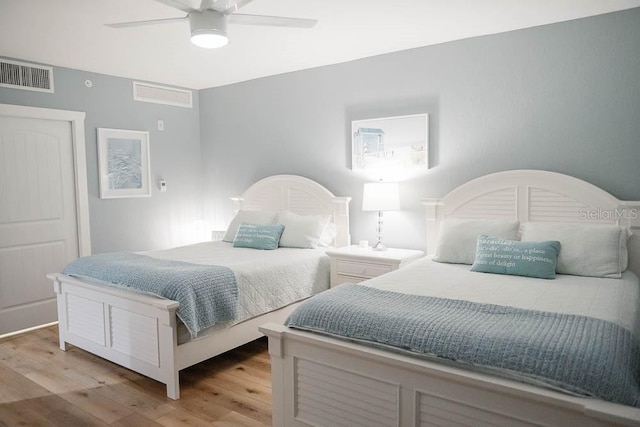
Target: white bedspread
615,300
267,280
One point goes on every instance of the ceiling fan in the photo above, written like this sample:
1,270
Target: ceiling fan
208,22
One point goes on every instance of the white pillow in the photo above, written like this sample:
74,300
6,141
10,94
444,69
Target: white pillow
301,231
328,235
250,217
585,249
458,237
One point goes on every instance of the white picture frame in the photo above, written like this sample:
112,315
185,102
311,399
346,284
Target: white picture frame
123,163
399,143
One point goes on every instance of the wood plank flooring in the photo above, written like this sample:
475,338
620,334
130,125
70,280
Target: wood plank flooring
42,385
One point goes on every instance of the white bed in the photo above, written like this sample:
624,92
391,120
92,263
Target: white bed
141,332
309,370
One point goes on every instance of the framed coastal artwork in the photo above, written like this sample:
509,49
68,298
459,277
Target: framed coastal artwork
398,143
123,163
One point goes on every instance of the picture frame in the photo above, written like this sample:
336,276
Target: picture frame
123,163
388,144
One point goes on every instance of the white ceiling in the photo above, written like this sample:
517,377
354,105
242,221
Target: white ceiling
71,33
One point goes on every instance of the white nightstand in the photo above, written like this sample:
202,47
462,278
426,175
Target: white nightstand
352,264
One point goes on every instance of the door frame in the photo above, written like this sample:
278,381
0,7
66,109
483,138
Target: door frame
76,119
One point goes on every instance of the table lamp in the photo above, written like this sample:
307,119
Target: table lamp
381,197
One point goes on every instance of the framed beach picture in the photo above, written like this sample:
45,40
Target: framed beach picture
398,143
123,163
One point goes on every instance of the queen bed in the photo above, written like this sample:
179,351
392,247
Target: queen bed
155,336
342,361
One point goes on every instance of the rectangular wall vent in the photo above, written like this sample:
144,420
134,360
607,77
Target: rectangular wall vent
20,75
146,92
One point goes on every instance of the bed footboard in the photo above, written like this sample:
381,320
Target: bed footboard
133,330
318,380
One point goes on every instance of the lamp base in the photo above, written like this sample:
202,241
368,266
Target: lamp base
379,247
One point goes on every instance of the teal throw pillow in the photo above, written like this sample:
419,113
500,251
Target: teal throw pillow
258,236
531,259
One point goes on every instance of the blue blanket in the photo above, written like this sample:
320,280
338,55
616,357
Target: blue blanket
577,354
207,294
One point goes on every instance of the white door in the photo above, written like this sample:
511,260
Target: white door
38,217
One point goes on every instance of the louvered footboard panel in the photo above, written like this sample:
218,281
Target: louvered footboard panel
85,318
436,411
134,335
326,395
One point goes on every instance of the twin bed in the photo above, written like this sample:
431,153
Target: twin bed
348,358
142,332
321,377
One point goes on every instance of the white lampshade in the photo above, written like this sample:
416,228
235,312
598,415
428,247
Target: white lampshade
381,196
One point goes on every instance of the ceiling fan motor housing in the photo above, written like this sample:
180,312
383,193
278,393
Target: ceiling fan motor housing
208,28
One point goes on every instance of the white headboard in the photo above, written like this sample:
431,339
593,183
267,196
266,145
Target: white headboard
539,196
300,195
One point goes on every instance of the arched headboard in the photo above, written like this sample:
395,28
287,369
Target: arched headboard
300,195
538,196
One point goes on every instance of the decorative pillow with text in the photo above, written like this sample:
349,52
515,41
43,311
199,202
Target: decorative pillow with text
258,236
530,259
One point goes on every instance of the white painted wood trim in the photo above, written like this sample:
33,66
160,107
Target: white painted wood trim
76,119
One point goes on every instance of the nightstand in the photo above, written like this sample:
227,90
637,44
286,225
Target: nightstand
352,264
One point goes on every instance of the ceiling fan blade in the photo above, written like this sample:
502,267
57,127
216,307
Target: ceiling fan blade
274,21
180,5
224,6
142,23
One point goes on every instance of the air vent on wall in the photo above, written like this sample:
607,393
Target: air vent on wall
146,92
20,75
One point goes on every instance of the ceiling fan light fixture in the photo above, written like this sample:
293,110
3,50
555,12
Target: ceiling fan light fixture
209,40
208,29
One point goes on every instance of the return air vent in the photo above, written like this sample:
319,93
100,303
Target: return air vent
20,75
146,92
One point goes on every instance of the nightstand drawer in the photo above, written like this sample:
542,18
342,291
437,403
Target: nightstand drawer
350,279
361,269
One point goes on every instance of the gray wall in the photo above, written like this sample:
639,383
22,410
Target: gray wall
562,97
163,220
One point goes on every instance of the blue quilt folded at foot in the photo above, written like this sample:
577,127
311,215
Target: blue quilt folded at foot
577,354
208,294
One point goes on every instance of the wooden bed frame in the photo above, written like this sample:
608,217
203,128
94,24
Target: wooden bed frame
139,332
319,380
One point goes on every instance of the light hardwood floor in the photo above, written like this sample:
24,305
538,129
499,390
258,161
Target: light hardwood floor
42,385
